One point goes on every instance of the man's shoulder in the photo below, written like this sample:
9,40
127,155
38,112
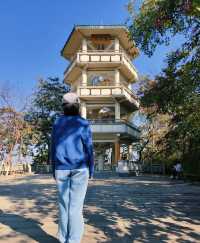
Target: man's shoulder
58,120
82,121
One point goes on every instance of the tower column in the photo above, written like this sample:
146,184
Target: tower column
117,77
130,151
116,45
117,110
84,77
130,86
84,45
83,110
117,150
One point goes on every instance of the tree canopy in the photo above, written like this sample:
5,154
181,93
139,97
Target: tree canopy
176,91
46,105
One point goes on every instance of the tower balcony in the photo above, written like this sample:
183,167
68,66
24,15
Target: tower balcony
119,93
109,128
100,59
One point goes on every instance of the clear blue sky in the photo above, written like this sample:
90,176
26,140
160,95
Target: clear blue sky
34,31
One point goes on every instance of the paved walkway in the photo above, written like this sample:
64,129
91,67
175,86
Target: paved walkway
117,210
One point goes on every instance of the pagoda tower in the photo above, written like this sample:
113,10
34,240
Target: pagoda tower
100,70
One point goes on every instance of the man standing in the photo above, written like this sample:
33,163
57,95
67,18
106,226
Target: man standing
179,170
73,164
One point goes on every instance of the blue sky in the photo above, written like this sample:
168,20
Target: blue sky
33,32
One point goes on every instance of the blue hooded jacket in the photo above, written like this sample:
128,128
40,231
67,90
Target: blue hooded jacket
71,144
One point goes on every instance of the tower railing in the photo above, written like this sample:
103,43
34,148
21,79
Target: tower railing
113,121
101,56
105,91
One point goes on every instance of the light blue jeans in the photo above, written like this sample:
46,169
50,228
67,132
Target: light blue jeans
72,187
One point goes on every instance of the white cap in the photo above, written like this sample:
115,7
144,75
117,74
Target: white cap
70,98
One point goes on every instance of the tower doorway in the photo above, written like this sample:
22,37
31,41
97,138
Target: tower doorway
104,155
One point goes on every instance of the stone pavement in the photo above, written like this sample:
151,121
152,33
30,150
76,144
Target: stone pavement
117,210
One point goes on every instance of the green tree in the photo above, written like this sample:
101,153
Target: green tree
176,91
46,105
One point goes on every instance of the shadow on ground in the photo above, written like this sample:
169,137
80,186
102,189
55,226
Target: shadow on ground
27,226
142,209
145,209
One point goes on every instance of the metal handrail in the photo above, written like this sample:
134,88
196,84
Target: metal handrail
96,50
115,121
97,87
101,52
